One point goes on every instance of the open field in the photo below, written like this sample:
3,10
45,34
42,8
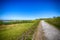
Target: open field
54,21
23,29
15,31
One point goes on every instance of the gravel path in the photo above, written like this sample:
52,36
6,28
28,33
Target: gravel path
50,32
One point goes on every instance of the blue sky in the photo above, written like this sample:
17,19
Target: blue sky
29,9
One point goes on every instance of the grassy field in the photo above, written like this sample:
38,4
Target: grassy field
14,31
55,21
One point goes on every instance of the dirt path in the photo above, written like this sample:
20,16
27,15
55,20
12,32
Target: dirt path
50,32
38,35
46,31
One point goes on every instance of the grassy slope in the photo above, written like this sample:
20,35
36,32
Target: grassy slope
11,32
14,31
54,21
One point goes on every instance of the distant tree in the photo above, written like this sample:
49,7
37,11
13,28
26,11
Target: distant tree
1,22
58,17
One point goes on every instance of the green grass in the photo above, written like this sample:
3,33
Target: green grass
15,31
8,22
54,21
11,32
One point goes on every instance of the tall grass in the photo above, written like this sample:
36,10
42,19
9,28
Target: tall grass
18,31
28,35
55,21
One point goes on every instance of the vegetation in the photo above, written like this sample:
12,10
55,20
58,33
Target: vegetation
7,22
55,21
15,30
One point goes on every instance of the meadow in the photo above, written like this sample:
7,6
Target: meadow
54,21
17,30
23,29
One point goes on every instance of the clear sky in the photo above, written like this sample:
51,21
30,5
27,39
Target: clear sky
28,9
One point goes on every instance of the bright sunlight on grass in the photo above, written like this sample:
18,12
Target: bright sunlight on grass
11,32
